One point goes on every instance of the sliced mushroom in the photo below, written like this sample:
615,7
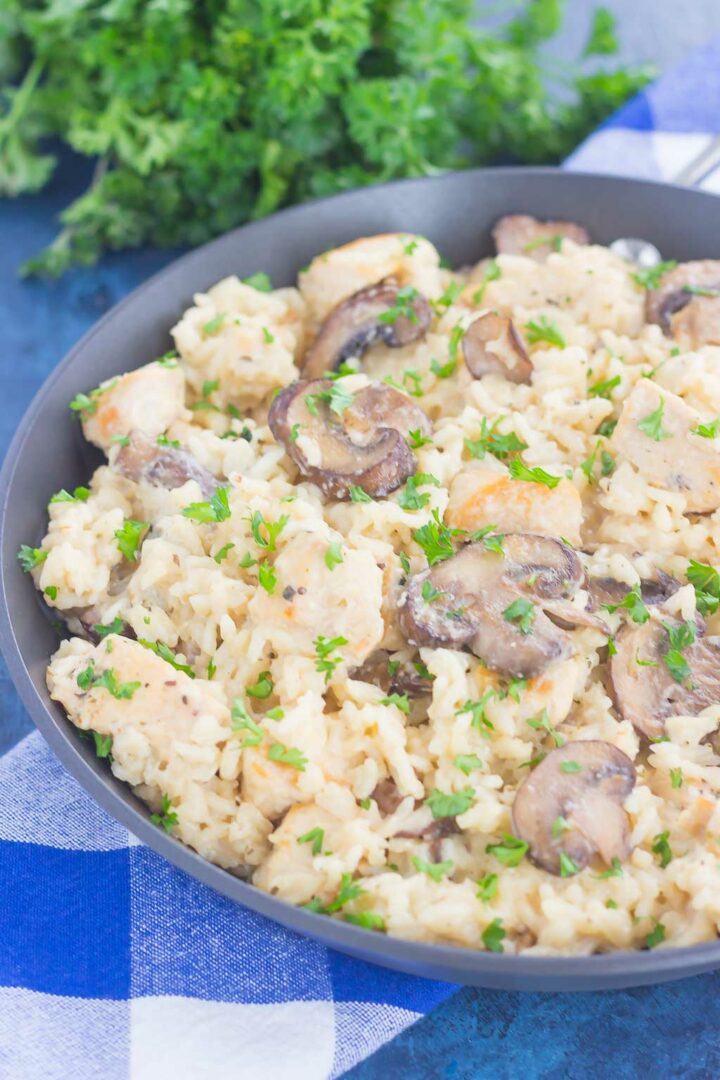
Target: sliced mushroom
162,466
572,804
387,795
551,573
654,590
332,456
687,303
467,602
380,406
380,313
392,678
492,346
642,685
519,234
672,456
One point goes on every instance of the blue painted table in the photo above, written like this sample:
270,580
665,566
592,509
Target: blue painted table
671,1031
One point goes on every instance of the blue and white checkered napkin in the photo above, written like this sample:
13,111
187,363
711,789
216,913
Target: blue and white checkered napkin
115,966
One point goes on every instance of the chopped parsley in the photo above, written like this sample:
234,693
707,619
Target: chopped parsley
30,557
651,425
223,553
676,778
217,509
634,604
492,273
570,767
333,555
130,537
542,723
477,711
490,441
402,307
259,281
261,689
166,817
662,849
173,444
542,329
456,335
436,871
338,398
316,837
705,580
326,663
287,755
369,920
708,431
444,805
412,499
80,494
357,495
648,277
487,888
121,440
604,388
214,325
466,763
568,866
510,851
416,439
443,371
268,338
452,292
493,936
267,577
656,936
522,614
436,539
211,669
400,701
51,592
607,427
103,744
265,533
614,870
107,680
559,826
520,471
115,627
680,638
165,653
241,720
429,593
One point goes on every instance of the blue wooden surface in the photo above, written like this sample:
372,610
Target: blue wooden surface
670,1031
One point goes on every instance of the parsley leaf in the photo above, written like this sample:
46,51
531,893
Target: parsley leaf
466,763
129,538
30,557
217,509
444,805
656,936
492,272
648,277
165,653
324,647
80,494
510,851
316,837
651,425
436,871
542,329
436,539
634,604
166,818
259,281
261,689
333,555
400,701
487,888
265,533
708,431
287,755
357,495
522,613
706,582
520,471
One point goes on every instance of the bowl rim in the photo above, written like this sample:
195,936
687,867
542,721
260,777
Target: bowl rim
437,961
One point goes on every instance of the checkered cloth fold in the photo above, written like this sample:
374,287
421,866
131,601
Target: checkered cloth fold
116,966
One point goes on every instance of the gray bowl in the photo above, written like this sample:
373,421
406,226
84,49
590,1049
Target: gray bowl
456,212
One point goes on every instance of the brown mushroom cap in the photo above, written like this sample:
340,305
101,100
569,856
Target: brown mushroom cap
470,593
520,234
492,346
645,692
337,454
683,314
385,312
162,466
589,800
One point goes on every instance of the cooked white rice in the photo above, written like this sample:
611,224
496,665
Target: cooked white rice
243,787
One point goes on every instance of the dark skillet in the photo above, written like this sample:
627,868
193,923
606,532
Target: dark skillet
456,212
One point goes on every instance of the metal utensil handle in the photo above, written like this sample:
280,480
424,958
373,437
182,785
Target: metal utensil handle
693,174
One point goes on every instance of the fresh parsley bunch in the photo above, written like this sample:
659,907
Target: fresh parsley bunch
202,114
